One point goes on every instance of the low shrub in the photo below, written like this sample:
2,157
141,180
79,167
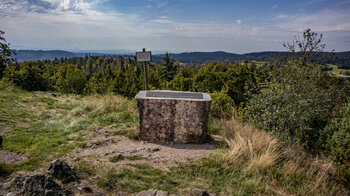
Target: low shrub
337,137
70,79
293,106
28,76
222,105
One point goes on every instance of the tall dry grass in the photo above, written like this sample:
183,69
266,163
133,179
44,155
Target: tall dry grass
284,168
249,145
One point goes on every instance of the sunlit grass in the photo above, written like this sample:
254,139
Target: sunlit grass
44,127
248,161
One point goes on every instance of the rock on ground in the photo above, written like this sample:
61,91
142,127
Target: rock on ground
36,184
154,192
201,192
62,171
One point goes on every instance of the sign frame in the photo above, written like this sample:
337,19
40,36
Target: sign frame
145,56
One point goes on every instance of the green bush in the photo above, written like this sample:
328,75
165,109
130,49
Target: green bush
28,76
293,106
99,83
180,83
70,79
221,105
337,136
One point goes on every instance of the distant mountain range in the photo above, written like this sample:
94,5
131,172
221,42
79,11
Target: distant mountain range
343,58
39,55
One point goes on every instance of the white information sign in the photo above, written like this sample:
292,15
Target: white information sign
144,56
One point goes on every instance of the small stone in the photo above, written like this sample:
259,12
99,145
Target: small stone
84,187
199,192
172,143
162,193
0,141
153,192
142,193
153,149
54,95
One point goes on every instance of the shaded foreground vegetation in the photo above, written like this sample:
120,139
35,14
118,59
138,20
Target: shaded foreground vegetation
247,161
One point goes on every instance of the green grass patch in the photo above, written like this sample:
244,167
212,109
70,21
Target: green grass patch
116,158
135,158
45,128
216,176
215,128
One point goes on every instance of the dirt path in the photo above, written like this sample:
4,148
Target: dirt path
102,149
7,157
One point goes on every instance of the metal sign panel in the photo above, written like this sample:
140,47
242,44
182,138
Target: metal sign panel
144,56
175,95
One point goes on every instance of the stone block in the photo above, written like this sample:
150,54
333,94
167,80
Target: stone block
173,116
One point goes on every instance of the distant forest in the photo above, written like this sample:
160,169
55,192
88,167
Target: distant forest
341,59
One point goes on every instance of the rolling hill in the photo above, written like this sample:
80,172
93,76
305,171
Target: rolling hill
342,60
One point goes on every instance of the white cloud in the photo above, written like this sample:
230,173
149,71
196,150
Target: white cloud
76,5
71,24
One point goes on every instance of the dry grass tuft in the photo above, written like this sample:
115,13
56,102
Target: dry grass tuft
285,169
249,145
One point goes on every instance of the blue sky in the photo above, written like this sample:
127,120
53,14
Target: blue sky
172,25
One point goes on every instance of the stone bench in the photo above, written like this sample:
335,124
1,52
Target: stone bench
173,116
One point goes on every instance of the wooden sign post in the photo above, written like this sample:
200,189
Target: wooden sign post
144,56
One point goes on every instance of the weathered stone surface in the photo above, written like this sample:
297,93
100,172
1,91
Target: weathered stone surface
173,116
154,192
62,171
83,188
36,184
199,192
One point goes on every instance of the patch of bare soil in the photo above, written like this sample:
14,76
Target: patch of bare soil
120,150
7,157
